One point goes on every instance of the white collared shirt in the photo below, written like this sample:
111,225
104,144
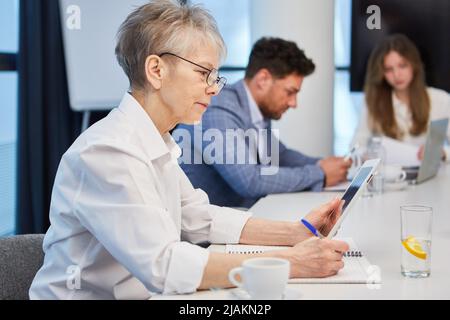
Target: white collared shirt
440,108
124,216
259,123
255,112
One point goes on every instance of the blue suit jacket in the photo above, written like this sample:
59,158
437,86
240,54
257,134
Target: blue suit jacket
241,185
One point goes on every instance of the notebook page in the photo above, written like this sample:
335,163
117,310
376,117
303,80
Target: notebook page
249,249
401,153
354,271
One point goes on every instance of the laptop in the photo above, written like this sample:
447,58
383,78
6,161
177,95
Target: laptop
429,167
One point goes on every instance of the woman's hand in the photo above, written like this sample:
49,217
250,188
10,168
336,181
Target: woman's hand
324,217
316,258
421,153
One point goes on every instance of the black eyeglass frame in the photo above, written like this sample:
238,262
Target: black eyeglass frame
219,81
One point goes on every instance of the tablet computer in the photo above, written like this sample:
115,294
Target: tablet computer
361,179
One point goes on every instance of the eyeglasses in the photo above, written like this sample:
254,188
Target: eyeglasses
213,77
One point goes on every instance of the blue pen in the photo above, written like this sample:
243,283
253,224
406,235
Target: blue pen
312,229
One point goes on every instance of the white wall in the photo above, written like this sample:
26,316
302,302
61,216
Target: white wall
309,128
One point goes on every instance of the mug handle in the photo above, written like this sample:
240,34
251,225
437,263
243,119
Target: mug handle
356,158
232,276
403,176
357,161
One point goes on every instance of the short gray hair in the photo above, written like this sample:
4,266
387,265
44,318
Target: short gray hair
163,26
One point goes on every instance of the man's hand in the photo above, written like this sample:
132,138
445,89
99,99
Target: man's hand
324,217
335,170
316,258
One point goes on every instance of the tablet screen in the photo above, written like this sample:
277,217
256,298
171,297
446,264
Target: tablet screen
356,184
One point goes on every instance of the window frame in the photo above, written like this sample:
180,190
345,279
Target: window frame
226,68
8,61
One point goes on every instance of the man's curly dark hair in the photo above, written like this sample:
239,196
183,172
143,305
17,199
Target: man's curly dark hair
280,57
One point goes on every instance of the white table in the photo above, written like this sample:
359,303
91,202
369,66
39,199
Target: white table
374,224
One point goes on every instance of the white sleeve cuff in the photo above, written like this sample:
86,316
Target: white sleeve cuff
227,225
187,264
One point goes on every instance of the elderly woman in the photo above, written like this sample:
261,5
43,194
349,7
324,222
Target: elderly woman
125,220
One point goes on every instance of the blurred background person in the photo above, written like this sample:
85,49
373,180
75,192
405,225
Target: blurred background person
273,80
398,103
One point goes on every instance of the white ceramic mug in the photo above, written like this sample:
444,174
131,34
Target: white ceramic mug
262,278
394,173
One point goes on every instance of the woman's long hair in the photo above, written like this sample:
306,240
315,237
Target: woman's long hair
378,92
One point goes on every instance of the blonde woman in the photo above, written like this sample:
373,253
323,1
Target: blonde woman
125,220
399,105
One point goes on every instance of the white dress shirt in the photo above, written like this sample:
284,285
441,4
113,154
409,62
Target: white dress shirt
440,108
125,218
255,112
259,123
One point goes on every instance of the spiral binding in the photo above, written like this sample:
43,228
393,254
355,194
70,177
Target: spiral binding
348,254
246,252
353,254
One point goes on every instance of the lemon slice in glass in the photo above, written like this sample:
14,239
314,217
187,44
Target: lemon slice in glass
413,246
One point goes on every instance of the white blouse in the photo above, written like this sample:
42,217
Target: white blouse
440,108
125,218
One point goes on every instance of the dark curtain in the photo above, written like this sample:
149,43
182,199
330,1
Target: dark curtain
47,126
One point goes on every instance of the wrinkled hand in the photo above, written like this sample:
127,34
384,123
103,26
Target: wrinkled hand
317,258
324,217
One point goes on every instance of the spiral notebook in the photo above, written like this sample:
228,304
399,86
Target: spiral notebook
357,268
